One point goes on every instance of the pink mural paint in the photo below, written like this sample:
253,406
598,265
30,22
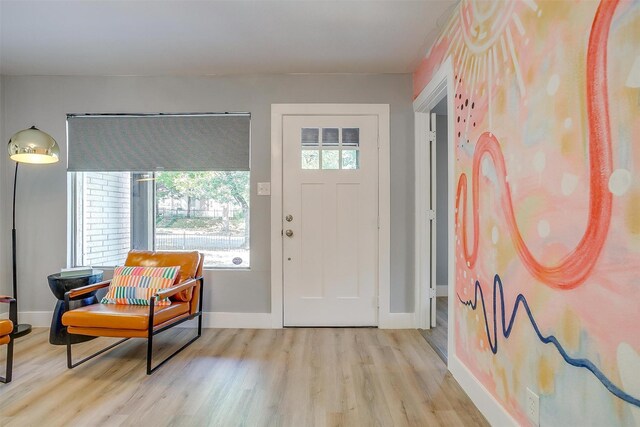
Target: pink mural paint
573,270
547,203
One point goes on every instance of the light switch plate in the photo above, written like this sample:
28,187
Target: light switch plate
264,189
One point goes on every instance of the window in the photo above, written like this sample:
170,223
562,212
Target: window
115,211
337,149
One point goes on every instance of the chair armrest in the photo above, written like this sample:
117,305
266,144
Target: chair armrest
13,308
86,289
166,293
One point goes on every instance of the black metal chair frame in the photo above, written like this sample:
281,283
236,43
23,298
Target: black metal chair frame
150,334
13,315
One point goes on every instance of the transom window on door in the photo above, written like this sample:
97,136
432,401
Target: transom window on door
159,182
330,148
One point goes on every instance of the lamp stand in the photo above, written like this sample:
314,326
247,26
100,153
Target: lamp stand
18,329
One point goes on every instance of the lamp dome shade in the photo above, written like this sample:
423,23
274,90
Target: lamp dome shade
33,146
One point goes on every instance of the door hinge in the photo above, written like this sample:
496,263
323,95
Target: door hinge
431,215
432,293
432,136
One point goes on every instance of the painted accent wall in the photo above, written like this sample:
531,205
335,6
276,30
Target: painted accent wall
547,164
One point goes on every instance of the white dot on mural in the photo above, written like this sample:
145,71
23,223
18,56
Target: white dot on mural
569,183
539,161
544,229
619,181
464,273
553,84
494,234
568,123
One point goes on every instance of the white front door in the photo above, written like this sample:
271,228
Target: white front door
330,220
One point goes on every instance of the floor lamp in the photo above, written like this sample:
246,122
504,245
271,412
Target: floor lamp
27,146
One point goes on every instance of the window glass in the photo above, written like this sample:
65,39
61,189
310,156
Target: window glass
334,152
330,136
207,211
350,159
310,137
310,159
351,137
330,159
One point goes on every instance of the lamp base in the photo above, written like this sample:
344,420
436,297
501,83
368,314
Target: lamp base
21,330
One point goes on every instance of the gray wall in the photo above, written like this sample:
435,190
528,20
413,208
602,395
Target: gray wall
442,207
42,198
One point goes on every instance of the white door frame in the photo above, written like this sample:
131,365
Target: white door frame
441,85
278,111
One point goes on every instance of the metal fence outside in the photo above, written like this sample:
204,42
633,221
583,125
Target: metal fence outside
188,240
198,213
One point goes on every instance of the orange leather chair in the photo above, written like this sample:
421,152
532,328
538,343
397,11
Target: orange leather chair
6,328
137,321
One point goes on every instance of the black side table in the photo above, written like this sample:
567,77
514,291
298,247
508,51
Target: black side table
59,286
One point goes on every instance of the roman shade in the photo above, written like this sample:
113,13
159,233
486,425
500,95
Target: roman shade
151,142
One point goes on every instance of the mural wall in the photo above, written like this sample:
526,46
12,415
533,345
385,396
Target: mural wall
547,126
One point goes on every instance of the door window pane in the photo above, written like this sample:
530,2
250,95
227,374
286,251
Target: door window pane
351,137
350,159
330,159
310,159
330,148
309,137
330,136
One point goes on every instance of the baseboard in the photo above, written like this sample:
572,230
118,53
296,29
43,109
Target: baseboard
398,321
442,290
217,319
37,319
492,410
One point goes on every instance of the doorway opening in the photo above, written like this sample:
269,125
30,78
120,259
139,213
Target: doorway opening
437,334
434,203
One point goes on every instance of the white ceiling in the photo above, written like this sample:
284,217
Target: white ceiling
172,37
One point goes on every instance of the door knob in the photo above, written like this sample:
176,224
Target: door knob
289,233
289,218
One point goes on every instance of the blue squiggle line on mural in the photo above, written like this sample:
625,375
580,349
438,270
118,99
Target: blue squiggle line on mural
549,339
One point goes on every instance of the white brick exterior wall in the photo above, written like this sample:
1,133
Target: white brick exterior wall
105,201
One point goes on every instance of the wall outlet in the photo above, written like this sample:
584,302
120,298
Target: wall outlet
264,189
533,407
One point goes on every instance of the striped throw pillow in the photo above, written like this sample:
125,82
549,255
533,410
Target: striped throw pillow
135,285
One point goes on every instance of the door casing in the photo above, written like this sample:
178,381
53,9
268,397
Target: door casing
441,85
278,111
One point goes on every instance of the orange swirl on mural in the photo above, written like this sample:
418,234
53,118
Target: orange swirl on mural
575,267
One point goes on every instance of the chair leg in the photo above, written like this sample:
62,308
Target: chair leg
149,352
150,369
71,365
9,367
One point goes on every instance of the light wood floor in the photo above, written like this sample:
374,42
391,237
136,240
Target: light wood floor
437,337
235,377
